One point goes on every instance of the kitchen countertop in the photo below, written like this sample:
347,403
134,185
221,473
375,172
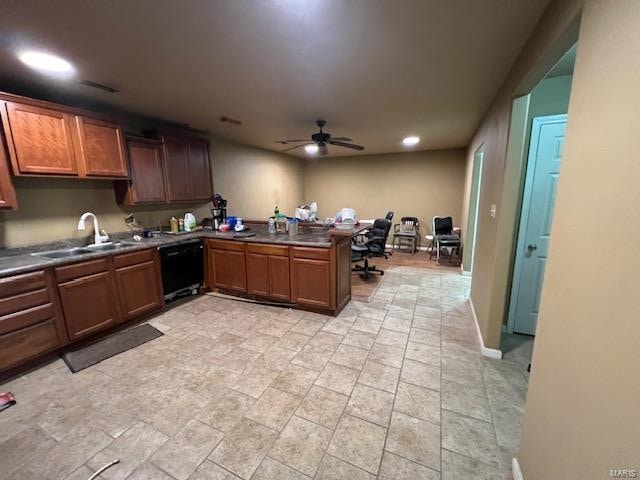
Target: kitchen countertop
20,260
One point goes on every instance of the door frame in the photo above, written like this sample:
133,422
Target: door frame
524,211
474,208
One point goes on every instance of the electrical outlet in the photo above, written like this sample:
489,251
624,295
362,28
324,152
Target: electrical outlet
492,212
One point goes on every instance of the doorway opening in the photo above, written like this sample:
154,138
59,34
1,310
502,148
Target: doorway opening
474,202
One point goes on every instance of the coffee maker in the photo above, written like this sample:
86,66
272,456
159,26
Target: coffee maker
219,211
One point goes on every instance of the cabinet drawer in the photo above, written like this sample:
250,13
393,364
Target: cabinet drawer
225,245
69,272
24,318
22,283
267,249
312,253
133,258
23,301
27,342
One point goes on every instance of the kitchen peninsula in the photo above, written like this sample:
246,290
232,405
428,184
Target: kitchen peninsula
47,304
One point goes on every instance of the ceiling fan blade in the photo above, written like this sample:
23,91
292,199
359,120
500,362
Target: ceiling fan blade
297,146
293,141
346,145
322,149
341,139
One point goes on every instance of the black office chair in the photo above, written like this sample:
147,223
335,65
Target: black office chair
373,246
443,236
389,215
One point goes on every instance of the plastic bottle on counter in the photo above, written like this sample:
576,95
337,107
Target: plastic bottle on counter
189,221
272,225
181,225
173,222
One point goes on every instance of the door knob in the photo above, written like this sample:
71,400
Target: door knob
532,246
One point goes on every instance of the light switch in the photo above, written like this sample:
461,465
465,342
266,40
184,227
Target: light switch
492,212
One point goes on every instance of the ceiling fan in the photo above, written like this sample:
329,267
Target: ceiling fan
322,139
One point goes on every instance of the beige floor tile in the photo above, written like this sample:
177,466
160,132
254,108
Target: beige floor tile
338,327
422,335
368,325
421,352
82,473
323,407
386,355
242,450
414,439
397,324
420,374
380,376
133,448
259,342
274,408
307,326
170,411
301,445
312,357
226,410
370,404
460,371
465,399
295,379
254,381
338,378
470,437
359,443
210,471
392,338
394,467
276,358
456,466
326,340
418,402
349,356
276,328
332,468
433,323
272,470
359,339
23,448
148,471
238,360
183,452
293,341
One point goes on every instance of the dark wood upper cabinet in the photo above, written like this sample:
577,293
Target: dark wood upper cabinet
147,178
102,148
176,169
200,170
40,139
8,200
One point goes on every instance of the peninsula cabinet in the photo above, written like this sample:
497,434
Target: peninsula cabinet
311,279
268,271
139,283
31,321
88,295
48,139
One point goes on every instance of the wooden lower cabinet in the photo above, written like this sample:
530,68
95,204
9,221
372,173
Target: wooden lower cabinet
139,288
268,276
89,304
279,278
311,282
227,269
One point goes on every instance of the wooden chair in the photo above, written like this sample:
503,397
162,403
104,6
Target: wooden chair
408,230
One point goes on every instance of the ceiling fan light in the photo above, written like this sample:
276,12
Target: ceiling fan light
311,149
46,62
410,141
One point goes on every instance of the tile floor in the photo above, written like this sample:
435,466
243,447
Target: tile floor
393,388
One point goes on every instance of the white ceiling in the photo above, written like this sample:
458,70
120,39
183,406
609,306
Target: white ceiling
376,70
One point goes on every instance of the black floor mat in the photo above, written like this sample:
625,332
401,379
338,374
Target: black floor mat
117,343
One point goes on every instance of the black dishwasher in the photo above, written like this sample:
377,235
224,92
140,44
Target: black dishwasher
182,269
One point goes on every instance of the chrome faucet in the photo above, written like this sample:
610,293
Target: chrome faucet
98,238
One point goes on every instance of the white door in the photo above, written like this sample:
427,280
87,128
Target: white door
543,169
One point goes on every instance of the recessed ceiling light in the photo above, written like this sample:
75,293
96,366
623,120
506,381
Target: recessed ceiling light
311,149
46,62
410,141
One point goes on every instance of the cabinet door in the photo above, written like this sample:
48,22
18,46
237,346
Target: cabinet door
101,148
311,282
8,200
237,271
279,277
200,171
218,268
138,289
147,179
258,274
176,169
39,140
89,304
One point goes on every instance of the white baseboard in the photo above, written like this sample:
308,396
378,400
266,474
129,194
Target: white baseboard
517,471
464,272
487,352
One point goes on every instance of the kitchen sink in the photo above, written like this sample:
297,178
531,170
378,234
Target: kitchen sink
74,252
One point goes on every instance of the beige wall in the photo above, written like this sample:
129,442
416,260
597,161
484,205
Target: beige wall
553,36
422,184
252,179
582,406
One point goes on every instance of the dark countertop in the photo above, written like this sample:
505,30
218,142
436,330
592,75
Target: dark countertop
21,260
